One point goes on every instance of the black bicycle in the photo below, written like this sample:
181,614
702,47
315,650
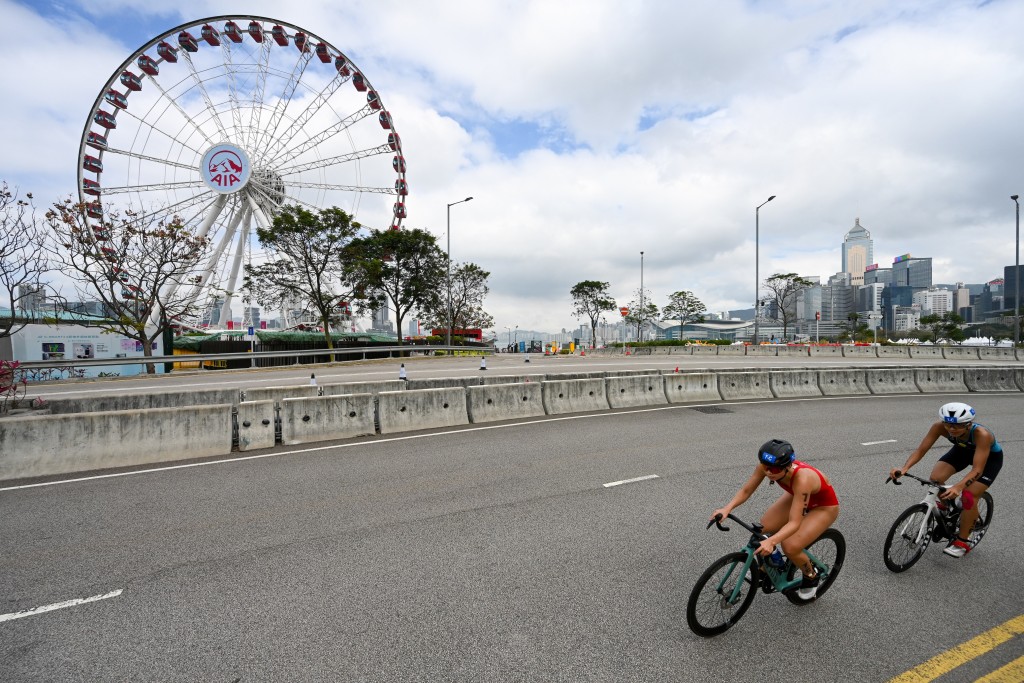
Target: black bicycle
930,520
724,591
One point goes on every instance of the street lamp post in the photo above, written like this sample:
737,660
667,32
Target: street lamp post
640,322
1016,281
757,262
508,332
448,332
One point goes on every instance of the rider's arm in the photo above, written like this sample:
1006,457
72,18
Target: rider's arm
983,441
927,442
741,496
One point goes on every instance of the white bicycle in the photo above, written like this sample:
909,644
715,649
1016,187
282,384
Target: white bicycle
930,520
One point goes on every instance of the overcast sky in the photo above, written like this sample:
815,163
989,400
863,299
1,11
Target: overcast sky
588,131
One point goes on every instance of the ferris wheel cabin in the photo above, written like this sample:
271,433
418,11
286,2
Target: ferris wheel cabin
116,98
105,119
90,187
92,164
131,81
188,42
233,32
167,52
280,37
96,141
256,31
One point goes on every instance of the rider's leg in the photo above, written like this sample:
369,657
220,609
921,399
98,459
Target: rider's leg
968,517
777,514
815,522
942,471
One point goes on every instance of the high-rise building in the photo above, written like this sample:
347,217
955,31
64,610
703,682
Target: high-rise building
934,301
1011,276
858,252
908,271
873,274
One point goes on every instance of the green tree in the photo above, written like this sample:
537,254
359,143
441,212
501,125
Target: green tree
469,287
948,326
304,270
405,268
684,307
590,299
134,264
783,289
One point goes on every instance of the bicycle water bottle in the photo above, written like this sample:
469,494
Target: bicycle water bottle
776,559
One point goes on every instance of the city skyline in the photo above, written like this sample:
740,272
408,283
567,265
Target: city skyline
651,130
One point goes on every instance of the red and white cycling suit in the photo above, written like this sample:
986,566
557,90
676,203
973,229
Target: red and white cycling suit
826,495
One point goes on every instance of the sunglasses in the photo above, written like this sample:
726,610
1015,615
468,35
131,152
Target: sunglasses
772,469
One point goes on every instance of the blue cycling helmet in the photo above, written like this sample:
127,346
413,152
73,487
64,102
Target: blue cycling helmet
776,453
956,413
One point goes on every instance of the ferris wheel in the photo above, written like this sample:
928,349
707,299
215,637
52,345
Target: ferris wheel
223,120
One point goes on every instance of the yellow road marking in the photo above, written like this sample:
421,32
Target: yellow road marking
1011,673
965,652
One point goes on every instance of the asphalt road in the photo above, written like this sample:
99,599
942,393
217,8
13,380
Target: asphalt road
497,554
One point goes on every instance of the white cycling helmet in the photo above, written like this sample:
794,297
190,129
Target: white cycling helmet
956,413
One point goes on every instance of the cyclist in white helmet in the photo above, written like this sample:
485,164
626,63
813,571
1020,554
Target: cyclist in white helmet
974,445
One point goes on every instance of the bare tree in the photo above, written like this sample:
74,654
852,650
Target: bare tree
469,287
135,265
24,259
783,288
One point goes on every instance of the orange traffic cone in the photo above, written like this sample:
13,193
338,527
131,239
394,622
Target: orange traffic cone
583,352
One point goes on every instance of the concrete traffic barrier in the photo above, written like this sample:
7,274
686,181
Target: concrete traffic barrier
960,352
342,388
940,380
691,387
843,382
891,380
325,418
917,351
45,445
732,350
996,353
704,350
494,402
413,409
257,425
278,394
741,385
636,390
990,379
795,350
833,351
660,350
1019,377
574,396
686,350
511,379
142,401
760,350
793,383
892,352
556,377
442,383
629,373
852,351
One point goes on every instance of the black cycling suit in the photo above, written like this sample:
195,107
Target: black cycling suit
961,455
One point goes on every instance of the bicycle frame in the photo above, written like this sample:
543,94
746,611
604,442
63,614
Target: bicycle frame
777,575
931,500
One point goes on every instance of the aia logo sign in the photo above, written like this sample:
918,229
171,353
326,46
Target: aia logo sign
225,168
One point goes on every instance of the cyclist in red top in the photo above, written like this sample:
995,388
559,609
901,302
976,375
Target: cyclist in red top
806,508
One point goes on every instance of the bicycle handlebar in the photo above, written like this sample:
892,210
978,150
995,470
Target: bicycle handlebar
924,482
717,521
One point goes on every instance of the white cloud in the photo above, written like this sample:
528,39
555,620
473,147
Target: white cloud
681,118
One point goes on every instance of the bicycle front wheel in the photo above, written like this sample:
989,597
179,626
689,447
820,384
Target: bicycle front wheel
906,543
722,595
830,550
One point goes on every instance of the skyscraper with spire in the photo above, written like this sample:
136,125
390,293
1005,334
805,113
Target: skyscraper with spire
858,252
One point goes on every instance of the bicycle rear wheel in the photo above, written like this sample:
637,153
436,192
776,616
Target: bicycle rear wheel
830,550
902,549
711,610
